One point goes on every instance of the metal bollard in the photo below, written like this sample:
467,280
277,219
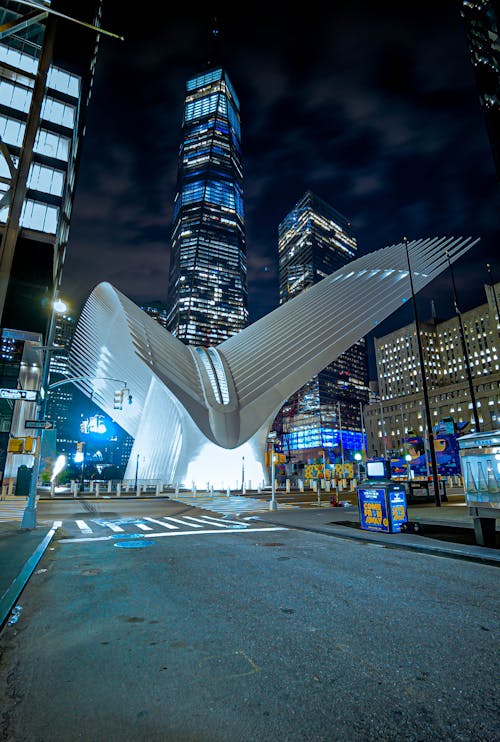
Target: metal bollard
118,489
97,487
110,486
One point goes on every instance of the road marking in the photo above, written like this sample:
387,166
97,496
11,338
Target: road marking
83,526
57,524
234,531
161,523
234,522
143,527
182,522
110,525
198,520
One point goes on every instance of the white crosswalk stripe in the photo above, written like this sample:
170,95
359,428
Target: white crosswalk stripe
162,523
83,526
213,523
10,510
97,529
182,523
228,505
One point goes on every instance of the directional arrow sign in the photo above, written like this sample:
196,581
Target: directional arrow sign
30,395
39,424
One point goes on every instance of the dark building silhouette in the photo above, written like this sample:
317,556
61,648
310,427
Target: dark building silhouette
481,23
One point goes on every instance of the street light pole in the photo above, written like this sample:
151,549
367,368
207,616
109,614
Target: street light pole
464,349
273,504
430,434
341,440
29,516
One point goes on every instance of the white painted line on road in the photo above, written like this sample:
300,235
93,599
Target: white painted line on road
57,524
83,526
113,527
182,522
219,520
143,527
234,531
161,523
198,520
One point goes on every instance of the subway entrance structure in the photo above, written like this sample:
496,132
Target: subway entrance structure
198,413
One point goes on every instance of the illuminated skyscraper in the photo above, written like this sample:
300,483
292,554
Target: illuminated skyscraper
207,292
314,241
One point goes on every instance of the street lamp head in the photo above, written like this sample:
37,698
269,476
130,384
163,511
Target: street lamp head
408,457
59,306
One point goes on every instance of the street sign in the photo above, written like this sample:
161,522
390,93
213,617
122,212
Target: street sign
39,424
29,395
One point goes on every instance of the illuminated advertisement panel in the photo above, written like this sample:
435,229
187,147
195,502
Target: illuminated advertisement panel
373,515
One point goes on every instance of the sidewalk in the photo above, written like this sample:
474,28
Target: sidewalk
344,523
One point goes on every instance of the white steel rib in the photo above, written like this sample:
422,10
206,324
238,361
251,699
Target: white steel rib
185,399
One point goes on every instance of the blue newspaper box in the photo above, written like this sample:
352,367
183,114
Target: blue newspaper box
382,503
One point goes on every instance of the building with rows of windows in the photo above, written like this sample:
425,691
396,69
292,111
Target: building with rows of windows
315,240
47,66
400,408
207,291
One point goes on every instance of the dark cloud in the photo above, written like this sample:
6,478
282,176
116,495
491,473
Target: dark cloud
373,106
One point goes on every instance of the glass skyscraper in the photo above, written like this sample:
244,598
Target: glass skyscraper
46,72
314,241
207,293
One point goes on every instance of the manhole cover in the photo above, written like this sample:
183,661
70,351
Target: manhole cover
133,544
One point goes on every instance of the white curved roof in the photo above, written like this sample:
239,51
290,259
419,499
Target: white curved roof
229,392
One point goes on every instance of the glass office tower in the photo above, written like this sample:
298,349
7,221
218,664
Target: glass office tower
46,72
314,241
207,294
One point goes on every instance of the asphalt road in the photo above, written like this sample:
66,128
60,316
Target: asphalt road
250,635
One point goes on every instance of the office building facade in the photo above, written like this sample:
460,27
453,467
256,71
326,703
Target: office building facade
46,71
326,414
400,408
207,293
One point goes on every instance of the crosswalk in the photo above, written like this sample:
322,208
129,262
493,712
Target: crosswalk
229,505
12,510
101,529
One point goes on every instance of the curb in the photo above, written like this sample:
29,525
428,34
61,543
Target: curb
11,595
489,557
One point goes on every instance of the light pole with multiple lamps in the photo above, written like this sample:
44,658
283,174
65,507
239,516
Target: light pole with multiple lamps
430,434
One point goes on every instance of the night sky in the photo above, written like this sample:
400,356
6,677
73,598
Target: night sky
372,106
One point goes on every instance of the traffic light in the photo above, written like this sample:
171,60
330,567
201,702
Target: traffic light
29,444
15,445
118,399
